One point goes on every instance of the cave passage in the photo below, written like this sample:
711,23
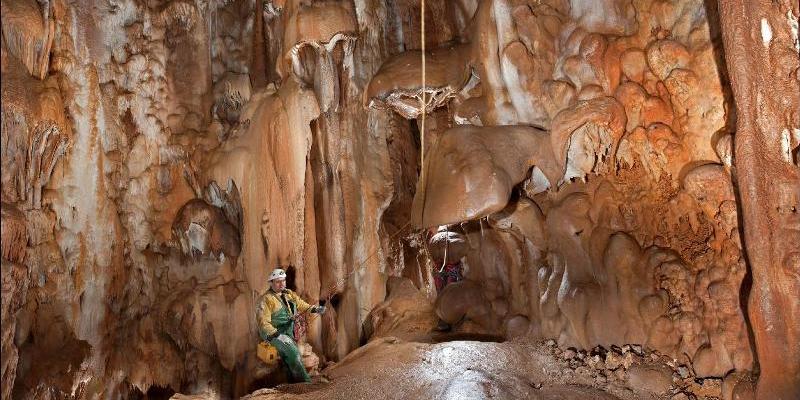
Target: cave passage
584,199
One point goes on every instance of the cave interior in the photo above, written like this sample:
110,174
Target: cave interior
612,185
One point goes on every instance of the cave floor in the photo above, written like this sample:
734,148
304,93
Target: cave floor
389,368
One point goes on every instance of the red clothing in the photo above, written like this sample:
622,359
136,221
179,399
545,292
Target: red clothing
449,274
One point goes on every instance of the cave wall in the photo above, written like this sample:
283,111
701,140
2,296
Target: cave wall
764,36
618,220
161,157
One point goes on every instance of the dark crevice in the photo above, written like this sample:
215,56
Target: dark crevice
291,277
463,336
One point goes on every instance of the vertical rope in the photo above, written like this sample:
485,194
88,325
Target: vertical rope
423,107
446,246
423,99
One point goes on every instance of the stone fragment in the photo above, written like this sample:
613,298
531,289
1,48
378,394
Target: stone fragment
650,379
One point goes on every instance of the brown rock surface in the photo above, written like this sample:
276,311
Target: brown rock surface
391,369
608,174
762,36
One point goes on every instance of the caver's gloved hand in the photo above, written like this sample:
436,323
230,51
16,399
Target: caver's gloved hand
319,310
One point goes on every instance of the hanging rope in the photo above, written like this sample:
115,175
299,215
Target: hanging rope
423,110
423,100
446,246
423,106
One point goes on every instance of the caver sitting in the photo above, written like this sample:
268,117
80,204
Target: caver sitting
275,312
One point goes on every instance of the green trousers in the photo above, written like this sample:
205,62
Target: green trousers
289,352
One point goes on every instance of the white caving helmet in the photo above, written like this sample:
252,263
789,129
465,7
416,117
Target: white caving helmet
277,273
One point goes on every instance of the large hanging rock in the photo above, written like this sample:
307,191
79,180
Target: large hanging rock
448,246
471,170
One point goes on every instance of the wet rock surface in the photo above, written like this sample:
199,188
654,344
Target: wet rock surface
390,368
604,174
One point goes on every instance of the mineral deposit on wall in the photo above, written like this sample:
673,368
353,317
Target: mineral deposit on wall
606,172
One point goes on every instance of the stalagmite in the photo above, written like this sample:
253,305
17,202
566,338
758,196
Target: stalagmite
492,198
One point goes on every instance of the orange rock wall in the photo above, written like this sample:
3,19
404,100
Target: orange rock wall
118,114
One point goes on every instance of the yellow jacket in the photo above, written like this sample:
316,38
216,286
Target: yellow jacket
269,303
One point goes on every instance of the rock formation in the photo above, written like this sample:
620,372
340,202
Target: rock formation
766,148
606,173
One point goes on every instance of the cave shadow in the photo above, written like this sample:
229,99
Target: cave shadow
274,378
154,392
158,393
291,277
466,336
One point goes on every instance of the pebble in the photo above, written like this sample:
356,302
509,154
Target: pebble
598,350
568,354
613,361
627,360
656,379
595,362
582,370
710,387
